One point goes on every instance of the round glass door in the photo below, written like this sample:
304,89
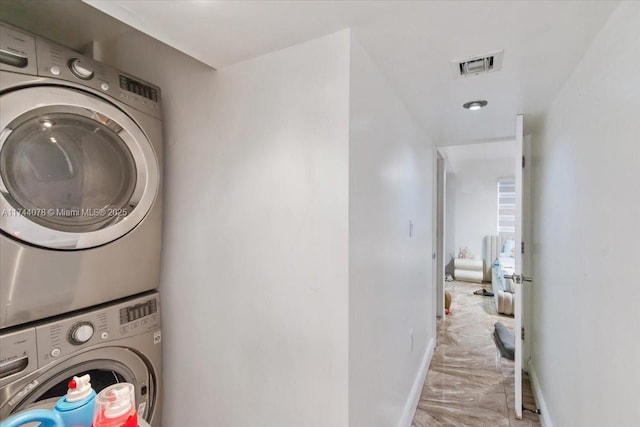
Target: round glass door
106,366
68,167
47,395
73,174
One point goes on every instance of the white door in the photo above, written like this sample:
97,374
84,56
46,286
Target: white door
521,261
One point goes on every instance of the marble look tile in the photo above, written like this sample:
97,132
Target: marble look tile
464,385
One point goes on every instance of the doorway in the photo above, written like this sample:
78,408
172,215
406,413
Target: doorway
467,209
465,365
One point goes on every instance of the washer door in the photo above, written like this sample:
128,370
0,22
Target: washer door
106,366
75,171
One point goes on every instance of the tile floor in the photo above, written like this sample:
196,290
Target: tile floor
465,384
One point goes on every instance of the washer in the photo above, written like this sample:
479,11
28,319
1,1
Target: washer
118,342
80,187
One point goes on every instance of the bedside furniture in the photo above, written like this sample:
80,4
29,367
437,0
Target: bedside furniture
469,270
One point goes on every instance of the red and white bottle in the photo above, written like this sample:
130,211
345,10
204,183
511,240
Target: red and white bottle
116,407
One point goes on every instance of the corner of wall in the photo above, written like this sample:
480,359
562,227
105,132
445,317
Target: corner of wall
416,390
391,162
545,418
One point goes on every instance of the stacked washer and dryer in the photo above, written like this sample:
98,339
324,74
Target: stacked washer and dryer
80,226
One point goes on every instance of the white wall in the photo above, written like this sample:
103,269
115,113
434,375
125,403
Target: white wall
255,276
586,295
255,266
472,197
390,289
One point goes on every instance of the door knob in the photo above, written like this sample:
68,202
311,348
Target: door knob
518,278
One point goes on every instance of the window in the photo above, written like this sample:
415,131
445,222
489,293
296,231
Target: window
506,206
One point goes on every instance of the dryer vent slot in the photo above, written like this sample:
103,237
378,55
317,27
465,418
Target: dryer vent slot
13,59
13,366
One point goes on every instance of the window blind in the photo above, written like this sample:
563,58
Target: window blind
506,206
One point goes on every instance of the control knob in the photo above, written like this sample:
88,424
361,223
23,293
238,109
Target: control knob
80,333
81,69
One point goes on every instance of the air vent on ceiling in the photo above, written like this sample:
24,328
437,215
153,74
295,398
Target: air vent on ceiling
478,64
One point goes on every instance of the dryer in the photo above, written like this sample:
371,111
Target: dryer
117,342
80,181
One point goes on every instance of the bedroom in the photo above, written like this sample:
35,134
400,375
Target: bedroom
476,176
476,211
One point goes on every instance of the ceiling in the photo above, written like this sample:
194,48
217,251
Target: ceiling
458,156
69,22
412,42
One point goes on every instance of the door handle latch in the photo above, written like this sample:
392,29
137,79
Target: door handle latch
518,278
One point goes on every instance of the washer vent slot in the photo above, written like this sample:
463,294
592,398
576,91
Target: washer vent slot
478,65
13,366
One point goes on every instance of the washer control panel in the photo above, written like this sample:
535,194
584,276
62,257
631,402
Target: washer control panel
17,354
68,335
80,333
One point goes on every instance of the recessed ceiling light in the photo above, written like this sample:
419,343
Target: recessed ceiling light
475,105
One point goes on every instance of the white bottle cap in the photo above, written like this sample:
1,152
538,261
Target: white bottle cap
119,400
79,388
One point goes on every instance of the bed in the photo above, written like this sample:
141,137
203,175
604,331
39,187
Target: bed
499,256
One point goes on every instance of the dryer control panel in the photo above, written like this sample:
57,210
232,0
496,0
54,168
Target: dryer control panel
24,53
17,51
71,334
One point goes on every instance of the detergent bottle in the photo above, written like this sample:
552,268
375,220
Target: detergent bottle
45,417
77,406
116,407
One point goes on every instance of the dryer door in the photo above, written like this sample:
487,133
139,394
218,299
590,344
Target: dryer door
106,366
75,171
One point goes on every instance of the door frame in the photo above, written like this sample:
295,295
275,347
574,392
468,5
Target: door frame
527,258
522,272
441,182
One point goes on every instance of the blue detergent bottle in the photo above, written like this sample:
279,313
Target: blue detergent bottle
45,417
77,406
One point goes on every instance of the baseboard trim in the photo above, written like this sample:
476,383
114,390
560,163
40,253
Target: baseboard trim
416,390
545,419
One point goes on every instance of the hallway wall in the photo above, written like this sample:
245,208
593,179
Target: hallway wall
255,263
586,233
391,319
276,167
